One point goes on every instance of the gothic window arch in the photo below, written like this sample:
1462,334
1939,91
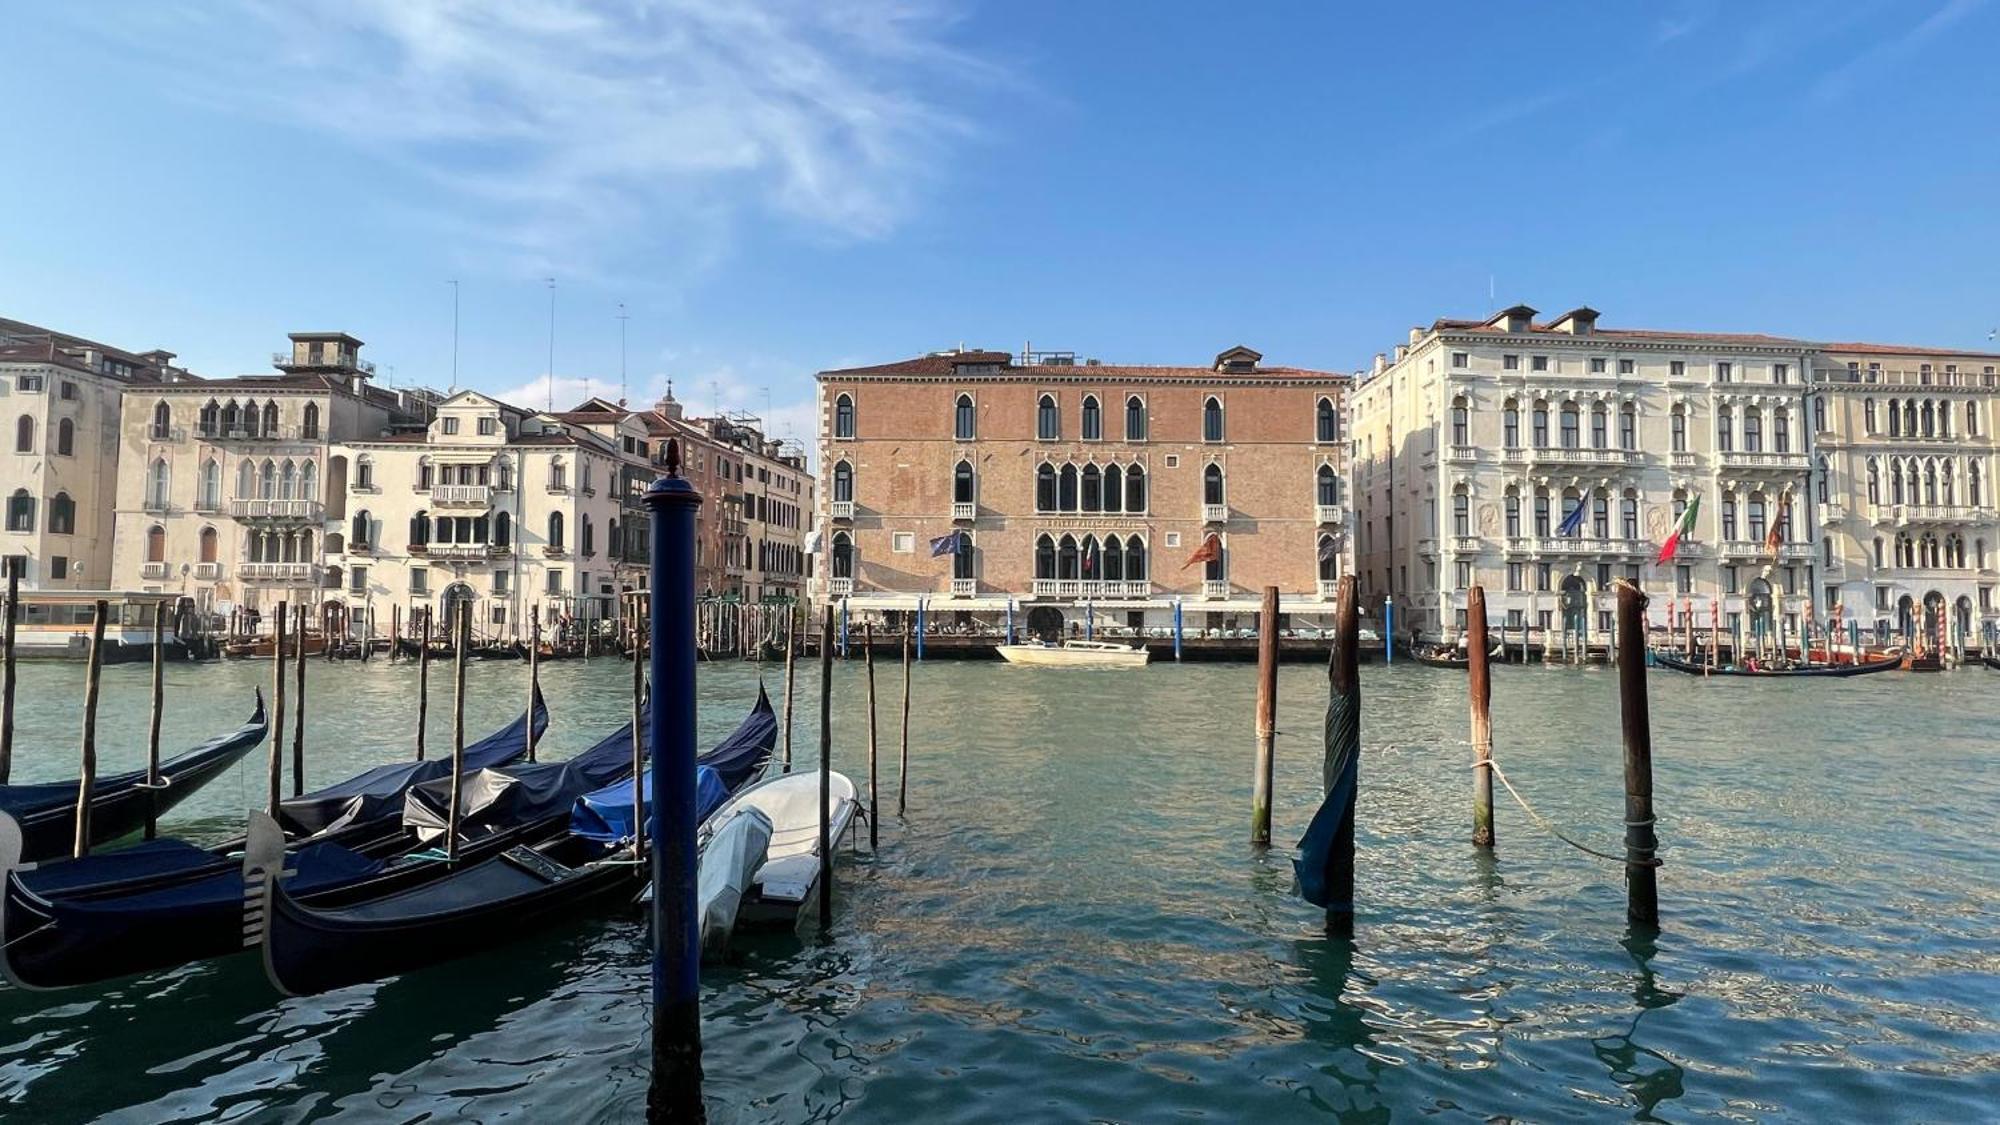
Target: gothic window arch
1600,426
211,545
21,511
843,482
1045,487
163,421
1135,490
1211,419
1329,558
843,416
556,530
309,481
503,529
1874,481
66,437
1045,557
1092,419
965,421
1135,418
288,480
962,483
24,434
208,486
843,555
1066,481
1510,424
1326,421
1135,559
309,422
1461,422
1114,488
267,480
1822,480
270,419
62,515
1212,491
1326,484
1868,415
362,532
158,483
1114,559
1093,488
1067,563
156,544
1048,419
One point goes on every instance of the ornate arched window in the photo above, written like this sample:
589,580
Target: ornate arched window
288,480
1822,480
1048,419
1725,435
964,420
1066,558
1211,419
66,437
1093,419
843,555
1540,424
964,561
1755,511
1113,560
1461,422
21,511
1874,481
158,484
1329,559
1135,559
1326,486
1895,480
1066,489
1542,523
267,481
208,486
210,418
1114,488
1135,490
309,423
1729,516
156,544
1930,482
1135,418
211,544
1628,426
1461,511
1326,421
1910,417
1513,508
1093,488
361,533
1895,418
1600,426
1973,495
1628,515
962,483
1091,560
843,482
246,480
163,421
843,416
270,419
1930,419
1572,426
1045,557
309,481
62,515
1510,424
1600,516
1753,430
1868,414
1045,487
1677,421
1781,430
556,530
503,529
1211,485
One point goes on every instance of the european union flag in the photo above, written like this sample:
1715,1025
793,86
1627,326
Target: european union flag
946,544
1573,522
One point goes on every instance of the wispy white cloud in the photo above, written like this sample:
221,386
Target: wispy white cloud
556,129
1878,58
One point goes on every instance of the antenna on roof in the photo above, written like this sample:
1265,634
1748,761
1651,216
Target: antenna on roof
622,318
454,337
550,403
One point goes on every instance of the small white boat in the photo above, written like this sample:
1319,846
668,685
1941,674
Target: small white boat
1077,654
787,878
729,866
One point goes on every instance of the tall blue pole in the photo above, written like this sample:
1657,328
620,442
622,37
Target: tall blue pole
1089,622
675,1092
1177,631
1854,637
921,603
1388,631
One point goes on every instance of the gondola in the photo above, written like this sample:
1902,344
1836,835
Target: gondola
1925,662
43,815
411,650
312,947
1666,659
1992,662
167,902
1448,656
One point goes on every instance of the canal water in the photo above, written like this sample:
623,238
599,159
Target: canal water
1070,925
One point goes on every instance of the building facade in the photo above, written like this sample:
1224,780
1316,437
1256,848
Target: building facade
979,479
1909,529
1477,440
60,396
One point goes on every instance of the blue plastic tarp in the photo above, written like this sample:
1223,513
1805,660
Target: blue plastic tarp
607,814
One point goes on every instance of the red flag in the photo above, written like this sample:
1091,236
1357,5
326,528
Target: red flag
1209,551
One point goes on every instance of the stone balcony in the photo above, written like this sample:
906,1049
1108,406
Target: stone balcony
1929,513
1215,588
1215,513
208,570
288,572
1328,515
1746,551
288,511
462,496
843,509
962,512
153,570
1088,588
839,587
964,587
1329,589
1586,457
1736,459
1683,459
465,551
1460,454
1588,545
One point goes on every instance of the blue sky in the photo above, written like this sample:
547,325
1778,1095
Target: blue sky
779,188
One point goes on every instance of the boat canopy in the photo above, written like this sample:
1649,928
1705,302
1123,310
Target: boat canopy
606,814
511,795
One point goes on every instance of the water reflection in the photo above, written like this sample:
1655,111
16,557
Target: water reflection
1649,1076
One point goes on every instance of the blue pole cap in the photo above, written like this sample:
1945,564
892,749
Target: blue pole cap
671,490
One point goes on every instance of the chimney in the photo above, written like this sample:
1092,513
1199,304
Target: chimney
1577,322
1401,351
1381,363
1416,334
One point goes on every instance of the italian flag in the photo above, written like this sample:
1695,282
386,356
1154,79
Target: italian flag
1685,525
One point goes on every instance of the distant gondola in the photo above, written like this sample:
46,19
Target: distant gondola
1702,668
1447,656
167,902
1992,662
311,948
44,814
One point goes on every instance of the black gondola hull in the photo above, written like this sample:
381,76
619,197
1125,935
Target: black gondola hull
1823,671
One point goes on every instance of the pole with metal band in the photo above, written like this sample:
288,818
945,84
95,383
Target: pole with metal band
675,1093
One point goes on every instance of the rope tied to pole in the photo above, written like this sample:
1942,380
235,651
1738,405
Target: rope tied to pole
1543,822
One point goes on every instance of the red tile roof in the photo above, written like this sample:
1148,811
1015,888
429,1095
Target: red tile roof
944,365
1902,349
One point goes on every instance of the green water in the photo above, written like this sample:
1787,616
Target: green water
1070,925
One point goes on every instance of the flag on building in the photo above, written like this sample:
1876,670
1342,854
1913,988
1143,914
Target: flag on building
1573,522
1328,549
1777,537
813,539
1684,527
946,544
1209,551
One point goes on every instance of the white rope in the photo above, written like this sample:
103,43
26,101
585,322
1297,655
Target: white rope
1650,861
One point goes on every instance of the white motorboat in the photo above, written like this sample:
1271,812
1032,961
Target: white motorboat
1077,654
786,878
729,866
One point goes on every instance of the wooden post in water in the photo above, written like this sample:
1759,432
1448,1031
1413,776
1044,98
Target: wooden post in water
535,674
903,762
423,682
461,631
299,707
7,673
395,632
87,778
874,802
791,676
825,771
1343,745
153,725
1480,677
1642,903
638,748
275,763
1267,719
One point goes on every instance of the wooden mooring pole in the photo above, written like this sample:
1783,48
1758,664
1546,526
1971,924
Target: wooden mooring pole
153,724
1267,719
825,771
1642,902
395,632
7,673
87,778
791,677
1343,749
874,775
1480,677
461,638
423,683
903,757
299,706
275,764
